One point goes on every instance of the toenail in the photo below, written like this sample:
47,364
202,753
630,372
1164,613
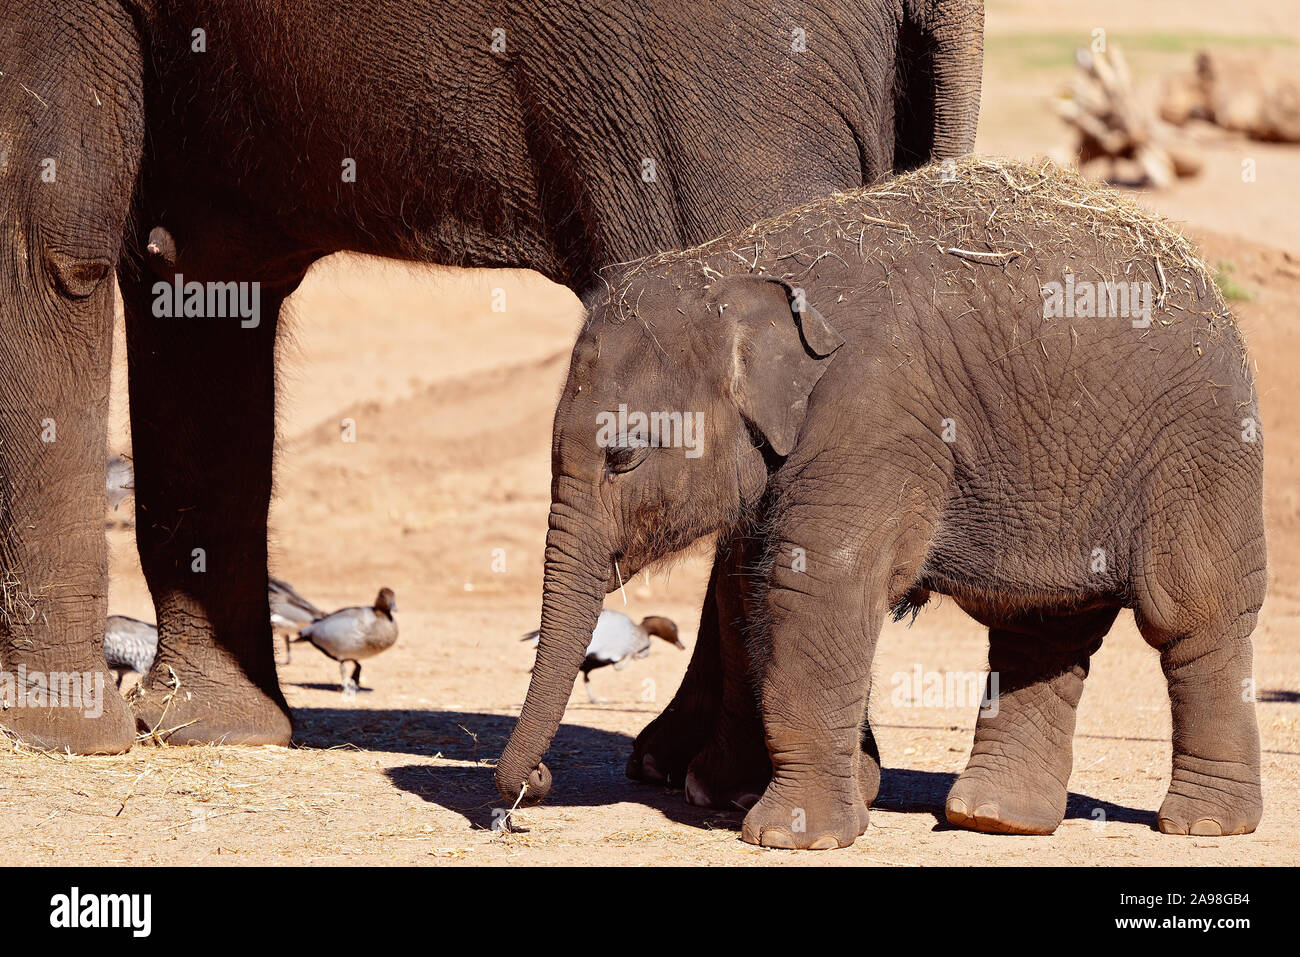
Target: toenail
775,837
649,770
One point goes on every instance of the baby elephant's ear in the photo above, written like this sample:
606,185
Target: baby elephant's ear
781,346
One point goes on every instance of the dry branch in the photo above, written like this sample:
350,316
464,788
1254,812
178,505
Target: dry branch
1255,93
1113,124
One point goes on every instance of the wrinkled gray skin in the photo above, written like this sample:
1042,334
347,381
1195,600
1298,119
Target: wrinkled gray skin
823,431
71,135
532,156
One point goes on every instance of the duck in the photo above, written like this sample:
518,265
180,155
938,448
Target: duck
353,634
290,612
616,640
130,645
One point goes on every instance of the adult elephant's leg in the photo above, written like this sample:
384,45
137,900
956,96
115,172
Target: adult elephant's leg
1016,779
71,137
665,747
202,422
54,384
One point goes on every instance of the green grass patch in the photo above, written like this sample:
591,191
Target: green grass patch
1232,290
1048,51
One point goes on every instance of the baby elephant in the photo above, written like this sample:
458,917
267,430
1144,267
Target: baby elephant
992,381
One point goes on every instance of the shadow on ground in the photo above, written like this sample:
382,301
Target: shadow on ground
458,735
924,792
587,764
1280,696
588,767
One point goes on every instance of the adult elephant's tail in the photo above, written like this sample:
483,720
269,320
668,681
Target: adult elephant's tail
940,66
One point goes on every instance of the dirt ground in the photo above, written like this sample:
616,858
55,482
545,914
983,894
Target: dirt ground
452,403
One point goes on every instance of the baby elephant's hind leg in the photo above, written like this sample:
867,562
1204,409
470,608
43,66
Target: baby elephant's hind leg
1214,788
1015,781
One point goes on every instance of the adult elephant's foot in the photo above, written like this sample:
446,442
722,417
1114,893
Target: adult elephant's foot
1211,799
813,817
55,690
1011,799
195,708
92,719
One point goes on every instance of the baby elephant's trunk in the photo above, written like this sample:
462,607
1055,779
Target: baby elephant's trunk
572,596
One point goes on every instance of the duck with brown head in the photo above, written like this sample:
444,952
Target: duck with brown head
617,639
353,634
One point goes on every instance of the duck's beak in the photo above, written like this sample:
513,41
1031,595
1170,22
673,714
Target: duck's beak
679,644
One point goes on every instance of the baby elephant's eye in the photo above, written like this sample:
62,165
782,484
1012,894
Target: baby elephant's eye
624,458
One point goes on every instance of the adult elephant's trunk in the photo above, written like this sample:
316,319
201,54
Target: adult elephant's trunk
956,29
577,571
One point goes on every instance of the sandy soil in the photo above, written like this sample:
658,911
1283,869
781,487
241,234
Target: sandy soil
452,403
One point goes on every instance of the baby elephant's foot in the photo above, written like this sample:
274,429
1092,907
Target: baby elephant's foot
807,818
728,774
1006,801
665,747
1211,799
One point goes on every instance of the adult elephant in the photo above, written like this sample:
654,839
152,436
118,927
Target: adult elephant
464,134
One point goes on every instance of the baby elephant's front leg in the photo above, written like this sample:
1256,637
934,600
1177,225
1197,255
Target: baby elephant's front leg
815,673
